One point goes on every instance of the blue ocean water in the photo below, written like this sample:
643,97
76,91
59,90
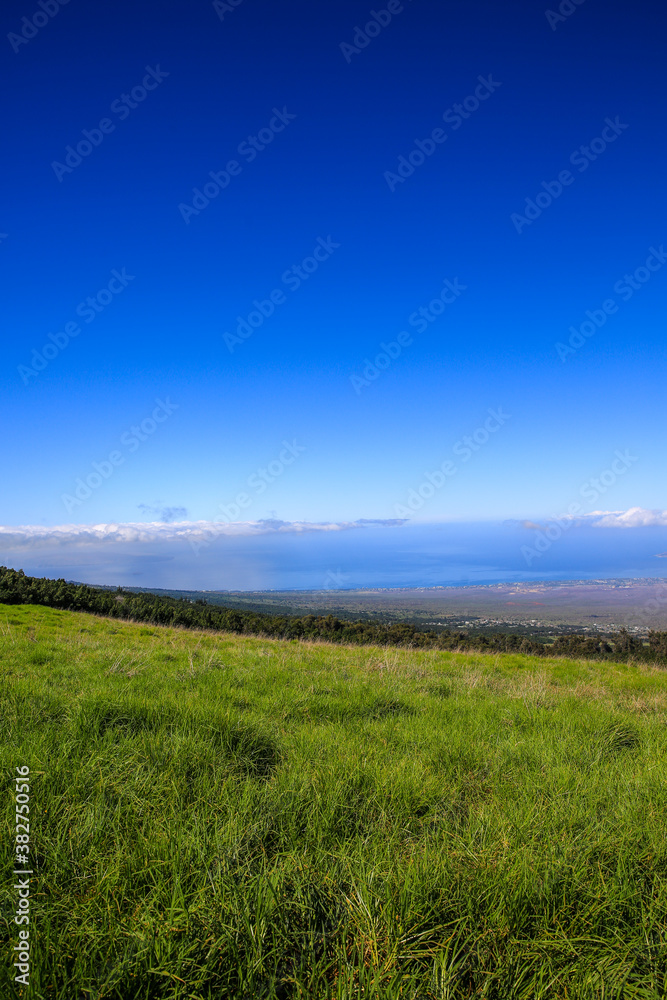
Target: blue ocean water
412,555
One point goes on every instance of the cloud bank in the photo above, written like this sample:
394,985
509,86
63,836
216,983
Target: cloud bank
195,532
204,532
635,517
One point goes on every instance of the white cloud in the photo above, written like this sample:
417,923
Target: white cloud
29,536
635,517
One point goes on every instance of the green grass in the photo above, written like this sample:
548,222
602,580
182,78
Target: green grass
224,817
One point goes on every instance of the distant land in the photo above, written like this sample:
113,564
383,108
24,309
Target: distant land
539,609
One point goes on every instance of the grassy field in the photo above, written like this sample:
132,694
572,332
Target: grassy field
221,817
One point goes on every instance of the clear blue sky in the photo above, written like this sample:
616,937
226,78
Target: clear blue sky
331,124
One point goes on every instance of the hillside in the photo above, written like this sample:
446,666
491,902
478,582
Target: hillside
163,609
229,816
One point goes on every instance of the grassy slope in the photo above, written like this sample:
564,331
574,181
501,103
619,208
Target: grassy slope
230,817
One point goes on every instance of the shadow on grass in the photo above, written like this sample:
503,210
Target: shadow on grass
251,751
617,738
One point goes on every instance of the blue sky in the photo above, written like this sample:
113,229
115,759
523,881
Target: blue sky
311,210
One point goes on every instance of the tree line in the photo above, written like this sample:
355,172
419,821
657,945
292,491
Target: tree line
17,588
